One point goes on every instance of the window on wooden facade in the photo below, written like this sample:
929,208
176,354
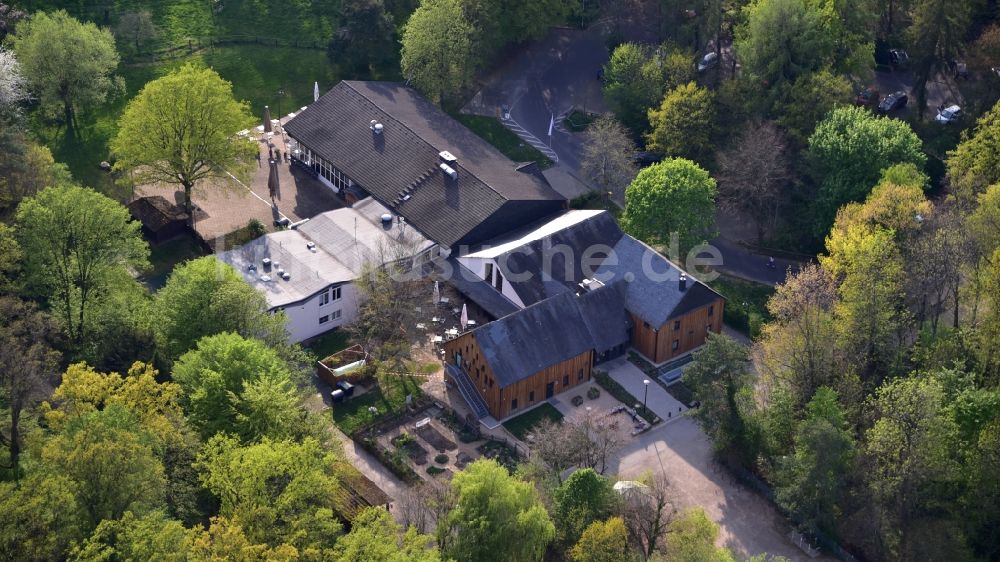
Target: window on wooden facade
645,325
565,380
579,375
531,396
677,324
676,344
513,404
711,309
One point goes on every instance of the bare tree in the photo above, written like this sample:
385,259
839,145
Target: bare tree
608,159
28,364
136,28
753,173
9,16
647,510
422,505
558,446
604,437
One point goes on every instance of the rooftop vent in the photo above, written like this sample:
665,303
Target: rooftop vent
386,218
310,246
449,171
683,281
447,157
376,127
281,272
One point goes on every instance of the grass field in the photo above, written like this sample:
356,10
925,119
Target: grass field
256,72
493,132
388,397
522,425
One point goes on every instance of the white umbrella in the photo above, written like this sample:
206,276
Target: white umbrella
315,91
437,293
465,316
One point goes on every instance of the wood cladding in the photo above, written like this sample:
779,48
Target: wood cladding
688,331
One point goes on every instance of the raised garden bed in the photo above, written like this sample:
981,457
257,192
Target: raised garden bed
428,433
501,452
578,120
396,463
406,443
435,470
345,365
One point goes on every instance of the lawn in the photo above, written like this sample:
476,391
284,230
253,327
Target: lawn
256,72
388,396
165,256
511,145
522,425
329,343
746,304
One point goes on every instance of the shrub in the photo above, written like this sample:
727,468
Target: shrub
577,400
593,393
433,470
441,459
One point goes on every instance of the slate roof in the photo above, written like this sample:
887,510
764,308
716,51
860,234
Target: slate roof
552,252
652,281
402,162
560,328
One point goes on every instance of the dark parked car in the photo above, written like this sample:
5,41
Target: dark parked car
893,102
898,57
867,97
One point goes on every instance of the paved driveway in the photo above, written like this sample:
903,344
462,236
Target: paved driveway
658,400
680,449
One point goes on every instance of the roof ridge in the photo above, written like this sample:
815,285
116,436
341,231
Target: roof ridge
350,84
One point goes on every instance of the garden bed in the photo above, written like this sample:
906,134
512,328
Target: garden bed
500,452
521,425
434,438
406,443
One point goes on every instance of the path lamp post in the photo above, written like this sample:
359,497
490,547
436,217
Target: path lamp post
281,94
645,393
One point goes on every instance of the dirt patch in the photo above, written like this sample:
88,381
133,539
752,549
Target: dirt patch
406,443
432,436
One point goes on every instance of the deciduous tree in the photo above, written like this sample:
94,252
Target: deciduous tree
376,537
69,64
691,538
808,99
683,123
937,34
365,36
135,29
153,536
437,53
974,164
673,196
491,506
609,154
602,541
41,518
181,129
585,497
753,174
76,243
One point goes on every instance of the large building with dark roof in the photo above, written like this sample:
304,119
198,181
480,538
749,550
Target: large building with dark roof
567,293
385,139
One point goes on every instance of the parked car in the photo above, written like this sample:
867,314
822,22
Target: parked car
893,102
646,158
898,57
948,114
708,61
867,97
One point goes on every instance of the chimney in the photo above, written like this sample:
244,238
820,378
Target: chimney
683,282
448,170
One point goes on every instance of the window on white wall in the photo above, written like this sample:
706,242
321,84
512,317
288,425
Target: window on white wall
324,298
335,294
324,319
335,315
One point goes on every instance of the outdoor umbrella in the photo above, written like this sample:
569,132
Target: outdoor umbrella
465,316
315,91
272,179
437,293
267,119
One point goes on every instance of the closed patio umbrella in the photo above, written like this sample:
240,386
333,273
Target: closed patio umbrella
437,293
315,91
465,316
272,179
267,119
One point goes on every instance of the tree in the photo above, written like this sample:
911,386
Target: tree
753,174
27,168
870,315
585,497
9,17
602,541
691,538
812,481
796,350
41,518
376,537
718,377
388,296
975,163
848,151
13,86
675,196
238,385
781,40
151,537
647,509
276,491
111,461
27,364
490,507
76,243
181,130
10,261
206,296
636,76
225,540
365,36
682,126
135,29
608,158
937,34
909,455
437,54
69,64
808,99
557,446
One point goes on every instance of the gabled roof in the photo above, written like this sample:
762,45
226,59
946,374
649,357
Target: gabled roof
560,328
653,283
400,166
476,289
155,212
552,252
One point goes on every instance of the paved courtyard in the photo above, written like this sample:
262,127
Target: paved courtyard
658,400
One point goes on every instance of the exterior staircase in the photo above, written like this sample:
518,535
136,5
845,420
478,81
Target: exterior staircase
468,390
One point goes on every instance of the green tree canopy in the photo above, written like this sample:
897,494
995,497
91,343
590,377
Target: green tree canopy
278,492
41,517
437,54
691,538
781,40
181,130
150,537
847,153
974,164
636,77
805,101
206,296
69,64
682,125
602,541
673,196
77,245
376,537
491,508
585,497
238,385
366,35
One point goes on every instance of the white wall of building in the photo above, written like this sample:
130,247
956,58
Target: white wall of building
478,266
303,317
